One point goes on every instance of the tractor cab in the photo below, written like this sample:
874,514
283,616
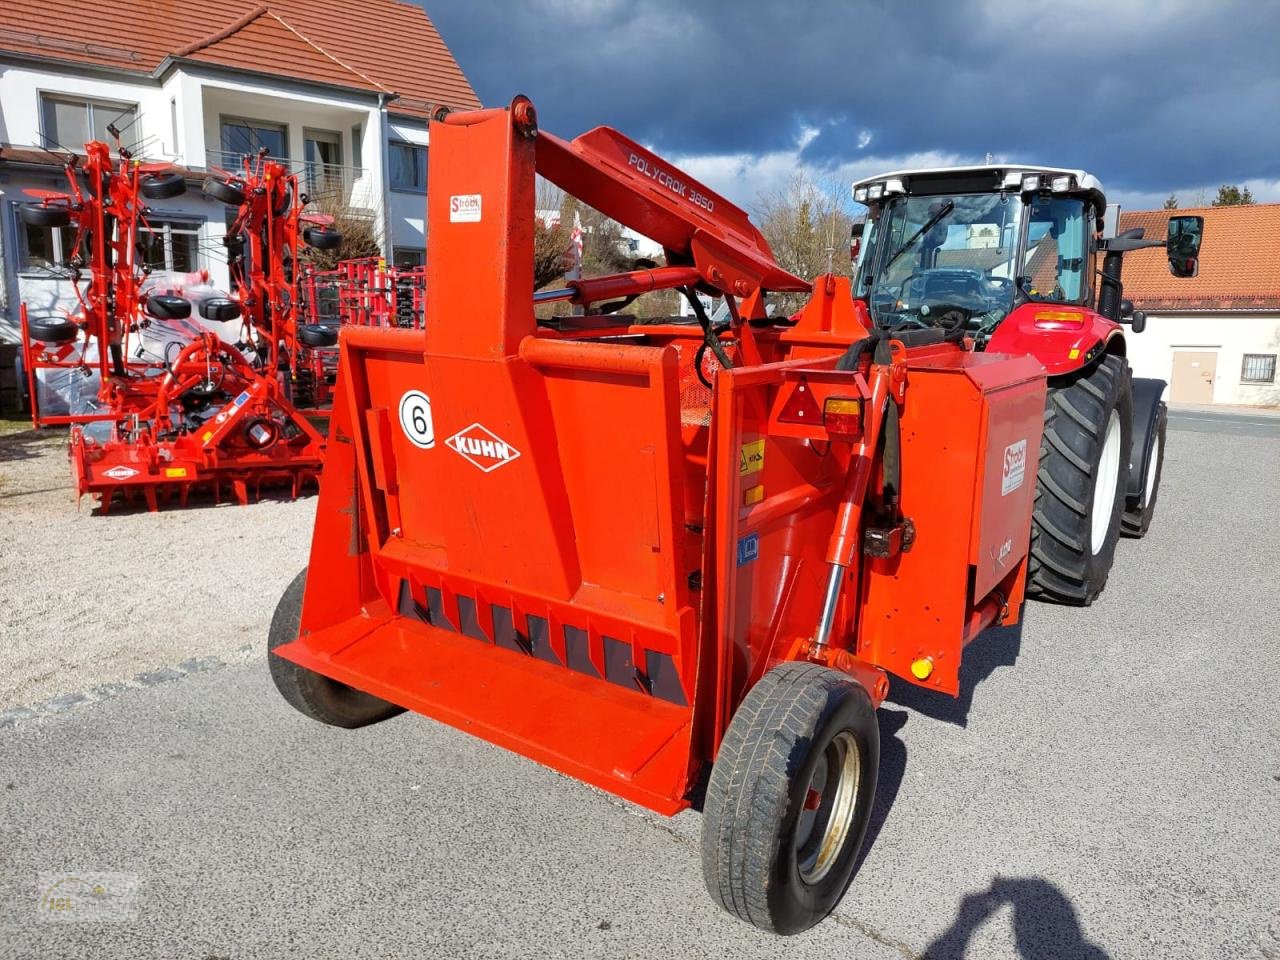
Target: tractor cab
963,246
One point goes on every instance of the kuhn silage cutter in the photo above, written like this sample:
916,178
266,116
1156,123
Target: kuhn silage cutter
557,539
204,411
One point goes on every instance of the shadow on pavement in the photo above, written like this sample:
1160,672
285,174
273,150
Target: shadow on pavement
996,647
1045,925
893,766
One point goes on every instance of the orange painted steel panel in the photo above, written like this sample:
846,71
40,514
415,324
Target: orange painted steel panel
563,542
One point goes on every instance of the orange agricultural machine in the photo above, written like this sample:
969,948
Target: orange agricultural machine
558,539
169,404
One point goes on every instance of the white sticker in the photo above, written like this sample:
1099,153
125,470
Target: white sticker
120,473
1015,467
464,208
482,447
415,419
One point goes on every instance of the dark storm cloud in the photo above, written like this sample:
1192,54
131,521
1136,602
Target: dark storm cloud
1150,95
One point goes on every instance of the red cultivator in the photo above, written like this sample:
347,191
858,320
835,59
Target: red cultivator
200,411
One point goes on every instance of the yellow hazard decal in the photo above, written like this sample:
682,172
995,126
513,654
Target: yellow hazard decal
1075,352
175,471
207,436
751,459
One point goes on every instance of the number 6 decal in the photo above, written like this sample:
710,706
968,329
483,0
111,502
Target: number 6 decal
415,419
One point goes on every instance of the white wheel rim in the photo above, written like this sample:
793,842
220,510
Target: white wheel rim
1153,458
1104,488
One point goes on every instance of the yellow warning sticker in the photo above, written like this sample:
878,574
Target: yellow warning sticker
208,434
753,495
175,471
1075,352
752,458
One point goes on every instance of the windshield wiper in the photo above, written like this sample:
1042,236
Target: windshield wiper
928,225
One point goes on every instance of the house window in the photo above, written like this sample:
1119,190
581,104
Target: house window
71,122
1258,368
170,245
45,248
408,167
404,257
242,137
357,146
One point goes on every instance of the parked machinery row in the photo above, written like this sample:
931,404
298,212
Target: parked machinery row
165,401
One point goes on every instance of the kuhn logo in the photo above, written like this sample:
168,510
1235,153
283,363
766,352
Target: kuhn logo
482,447
1015,467
120,473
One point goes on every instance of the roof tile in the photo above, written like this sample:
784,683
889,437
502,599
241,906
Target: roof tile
1239,261
378,45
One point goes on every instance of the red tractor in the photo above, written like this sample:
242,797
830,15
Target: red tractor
1009,254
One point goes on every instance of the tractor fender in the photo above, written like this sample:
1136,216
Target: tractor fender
1147,394
1063,338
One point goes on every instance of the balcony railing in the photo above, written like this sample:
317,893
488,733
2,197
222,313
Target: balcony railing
329,185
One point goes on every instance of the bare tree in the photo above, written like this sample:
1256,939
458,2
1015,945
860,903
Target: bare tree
359,235
807,224
550,235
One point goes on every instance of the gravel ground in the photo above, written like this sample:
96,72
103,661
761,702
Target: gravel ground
1107,786
91,600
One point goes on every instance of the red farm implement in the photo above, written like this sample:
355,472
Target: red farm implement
167,404
559,539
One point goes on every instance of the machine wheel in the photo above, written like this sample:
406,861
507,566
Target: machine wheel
1137,520
164,307
52,329
322,238
308,692
790,797
318,335
162,186
38,215
1081,482
229,193
219,309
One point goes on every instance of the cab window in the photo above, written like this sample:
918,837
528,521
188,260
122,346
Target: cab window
1054,266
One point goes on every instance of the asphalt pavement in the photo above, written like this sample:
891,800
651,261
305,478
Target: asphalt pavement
1108,786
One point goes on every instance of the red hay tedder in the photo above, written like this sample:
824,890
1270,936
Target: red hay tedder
205,412
558,539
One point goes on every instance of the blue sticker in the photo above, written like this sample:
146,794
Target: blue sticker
242,399
748,549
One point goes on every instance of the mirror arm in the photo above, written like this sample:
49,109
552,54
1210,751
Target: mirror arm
1125,244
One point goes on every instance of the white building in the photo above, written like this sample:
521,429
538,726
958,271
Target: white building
1214,338
342,93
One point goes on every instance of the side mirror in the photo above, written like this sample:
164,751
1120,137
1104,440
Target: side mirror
1182,244
1138,321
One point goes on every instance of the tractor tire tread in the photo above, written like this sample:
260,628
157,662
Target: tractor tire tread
1062,568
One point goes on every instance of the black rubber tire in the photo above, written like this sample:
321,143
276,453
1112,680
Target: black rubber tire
164,307
229,193
162,186
38,215
1063,566
219,309
1136,520
318,334
310,693
758,788
322,238
52,329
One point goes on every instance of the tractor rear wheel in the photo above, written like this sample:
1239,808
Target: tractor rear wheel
790,797
1137,518
311,693
1081,482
